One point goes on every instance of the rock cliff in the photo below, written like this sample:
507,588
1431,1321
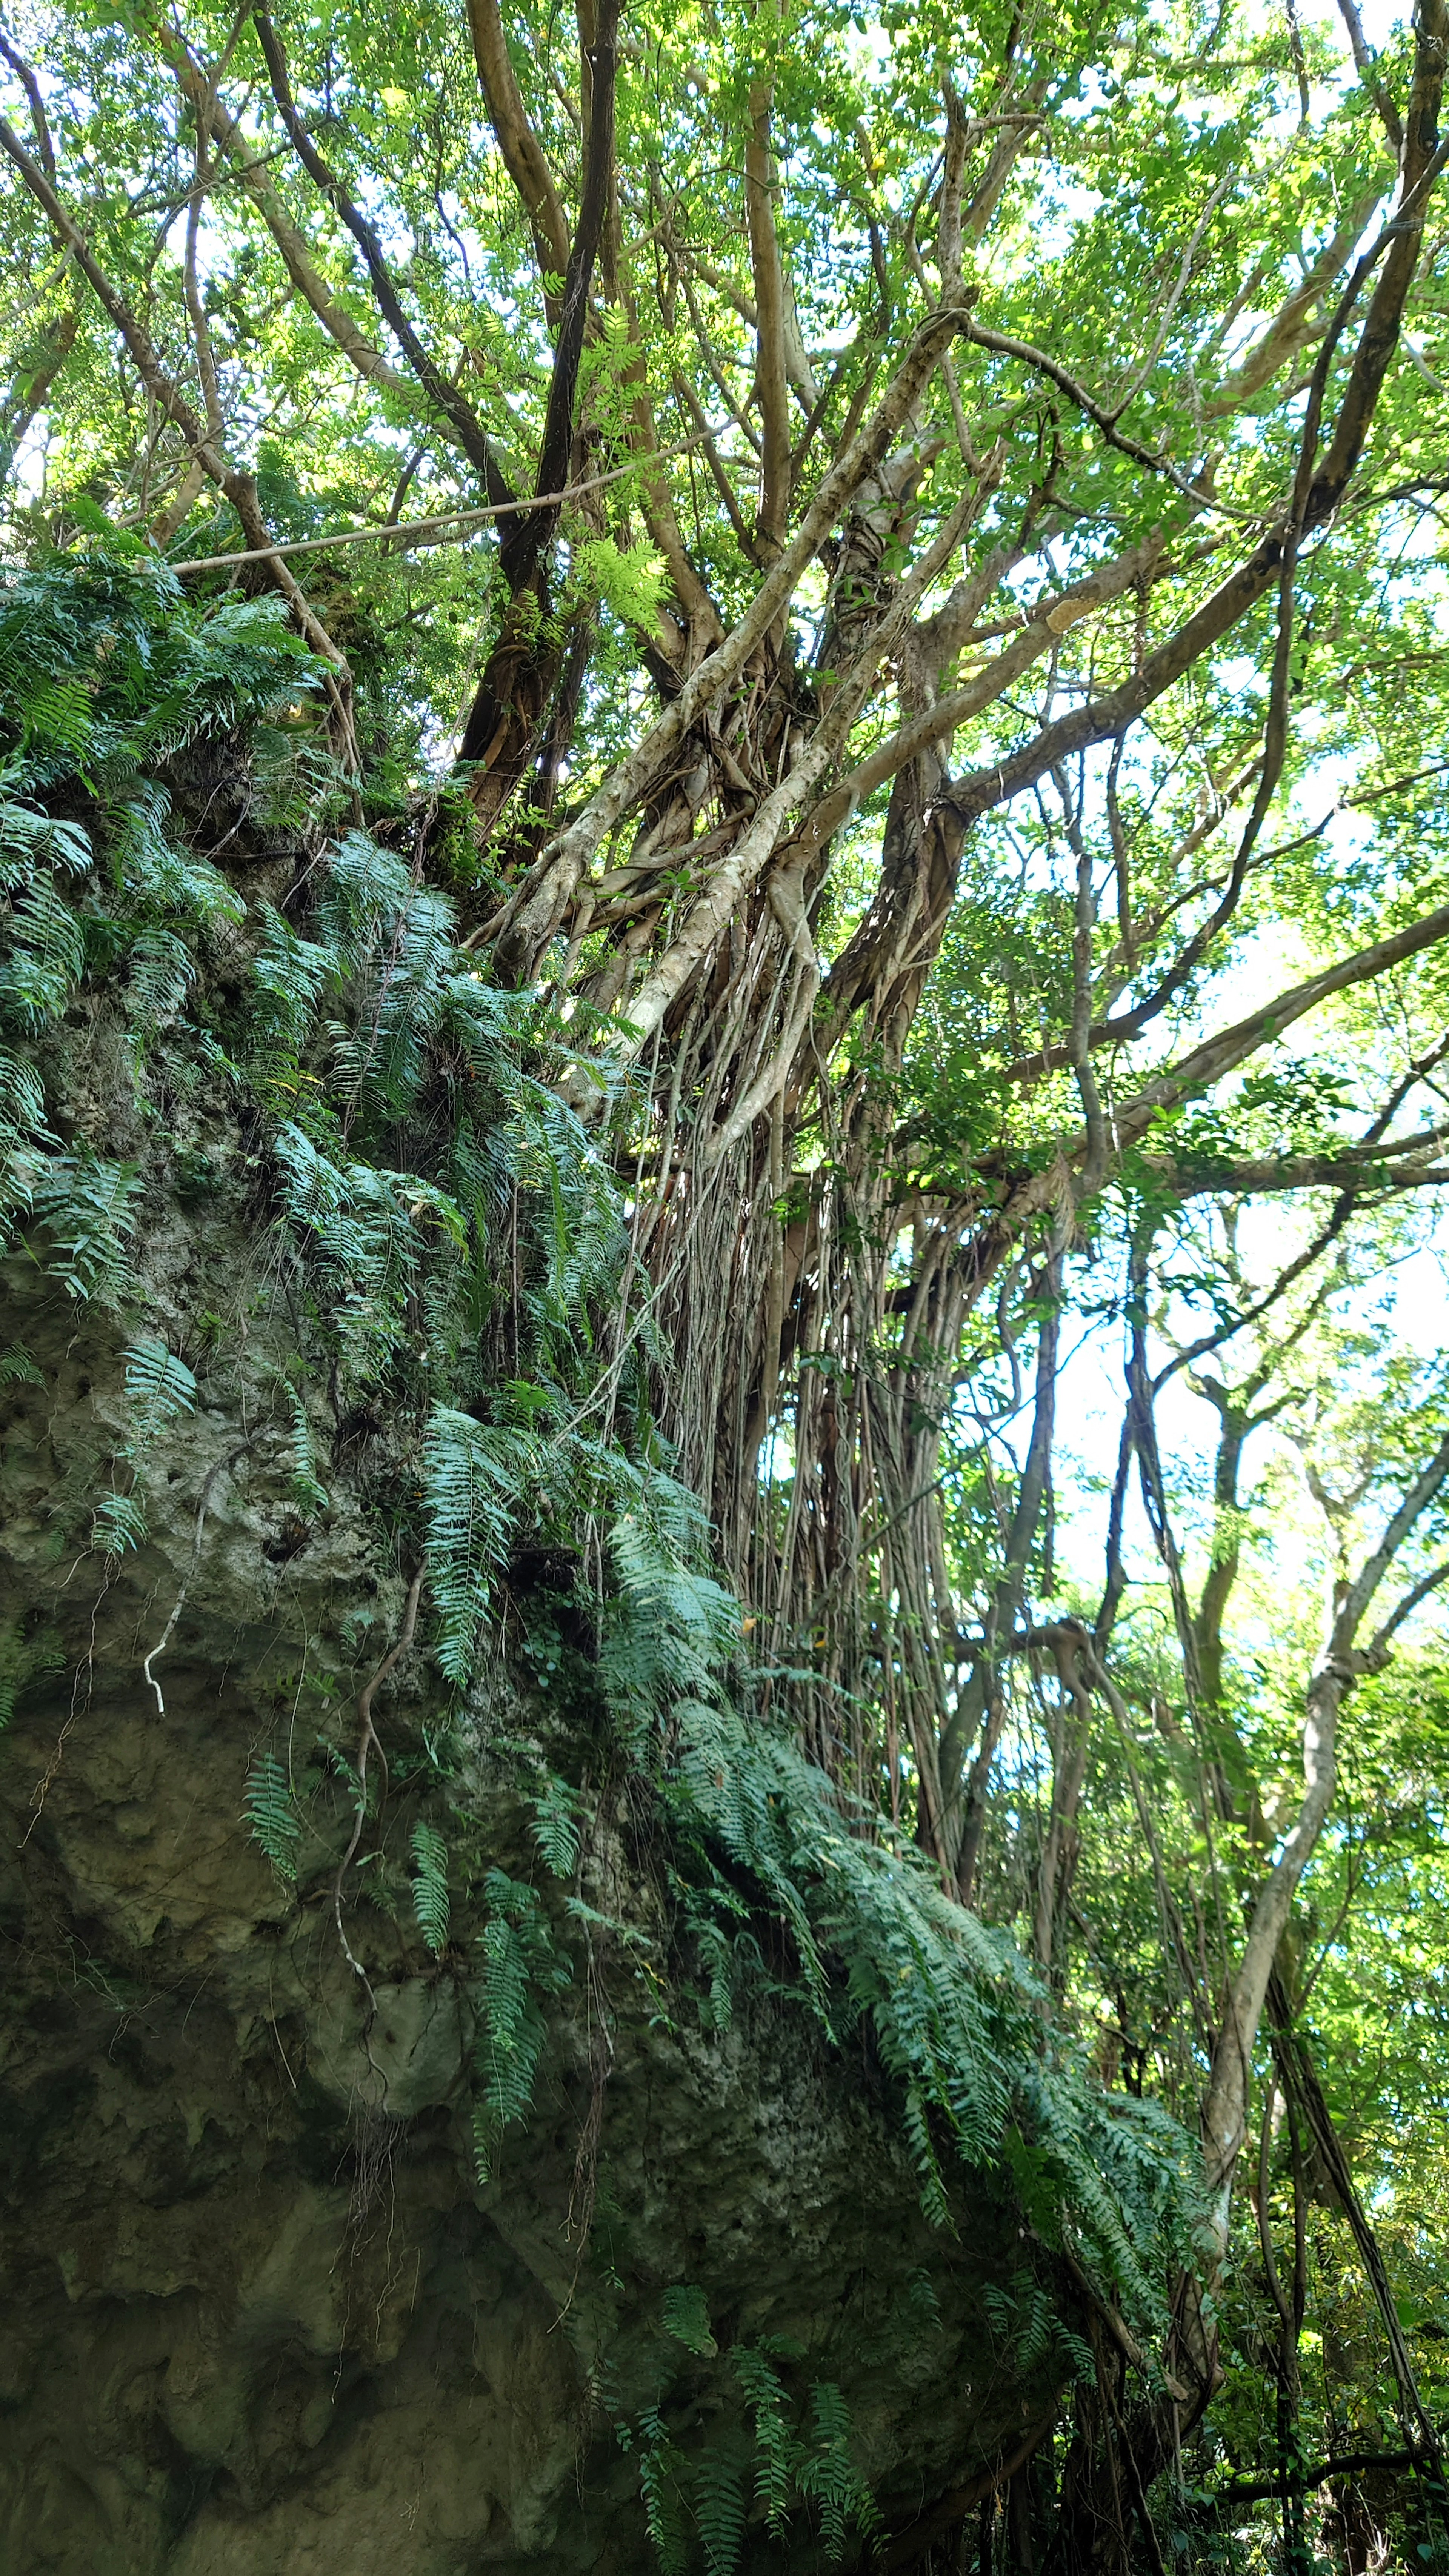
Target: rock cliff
260,2318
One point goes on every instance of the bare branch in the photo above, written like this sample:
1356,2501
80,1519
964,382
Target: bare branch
38,117
443,395
762,179
522,152
1367,70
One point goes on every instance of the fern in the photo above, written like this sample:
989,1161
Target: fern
660,2470
24,1660
719,2507
271,1815
776,2450
161,969
46,953
555,1826
430,1886
17,1368
118,1523
22,1117
307,1486
85,1208
686,2317
289,974
828,2477
159,1386
31,838
107,667
518,1965
477,1486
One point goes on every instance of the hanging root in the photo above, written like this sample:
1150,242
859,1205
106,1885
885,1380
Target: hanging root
366,1739
222,1467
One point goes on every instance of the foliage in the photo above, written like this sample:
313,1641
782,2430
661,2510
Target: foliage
719,1136
271,1814
430,1885
519,1966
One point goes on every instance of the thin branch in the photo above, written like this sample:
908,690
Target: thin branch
523,155
1367,69
445,396
762,179
440,529
239,489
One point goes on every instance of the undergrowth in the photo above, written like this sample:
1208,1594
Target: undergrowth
453,1242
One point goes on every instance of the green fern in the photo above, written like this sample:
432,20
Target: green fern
85,1207
44,959
685,2315
777,2453
118,1523
719,2508
271,1815
478,1485
661,2467
828,2477
555,1826
430,1886
307,1486
23,1661
289,974
30,838
17,1368
160,973
159,1386
519,1964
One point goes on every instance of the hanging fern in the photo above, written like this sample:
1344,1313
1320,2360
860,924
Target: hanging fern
719,2508
307,1486
159,1386
556,1826
430,1886
685,2314
478,1484
118,1523
828,2477
44,955
25,1660
519,1965
160,973
661,2467
777,2453
271,1814
85,1207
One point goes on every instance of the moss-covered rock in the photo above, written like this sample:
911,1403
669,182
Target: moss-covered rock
259,2314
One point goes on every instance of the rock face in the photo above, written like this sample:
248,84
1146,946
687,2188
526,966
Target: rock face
259,2317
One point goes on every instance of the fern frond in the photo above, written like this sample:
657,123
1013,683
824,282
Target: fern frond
118,1523
271,1814
430,1886
719,2509
519,1963
685,2314
159,1386
85,1207
23,1660
44,959
555,1826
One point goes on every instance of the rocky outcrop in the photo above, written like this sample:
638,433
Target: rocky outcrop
259,2316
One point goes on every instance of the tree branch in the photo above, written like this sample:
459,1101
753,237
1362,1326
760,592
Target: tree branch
761,181
523,155
443,395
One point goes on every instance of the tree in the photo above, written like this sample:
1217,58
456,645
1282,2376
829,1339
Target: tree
926,523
